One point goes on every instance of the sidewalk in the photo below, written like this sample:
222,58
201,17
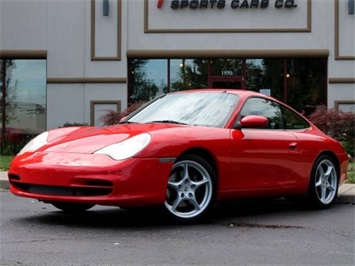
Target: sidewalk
346,191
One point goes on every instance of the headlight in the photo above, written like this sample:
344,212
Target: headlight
35,143
126,148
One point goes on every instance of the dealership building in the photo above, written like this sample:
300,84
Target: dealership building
68,61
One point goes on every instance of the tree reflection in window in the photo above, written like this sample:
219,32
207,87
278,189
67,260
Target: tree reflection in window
23,102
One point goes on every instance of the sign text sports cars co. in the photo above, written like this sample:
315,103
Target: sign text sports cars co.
207,16
234,4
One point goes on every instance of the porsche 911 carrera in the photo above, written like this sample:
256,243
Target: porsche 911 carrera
184,151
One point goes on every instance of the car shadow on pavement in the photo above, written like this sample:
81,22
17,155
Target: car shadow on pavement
113,217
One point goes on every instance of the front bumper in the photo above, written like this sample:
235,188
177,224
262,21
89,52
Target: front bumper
89,178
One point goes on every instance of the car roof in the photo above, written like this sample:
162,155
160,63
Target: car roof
241,93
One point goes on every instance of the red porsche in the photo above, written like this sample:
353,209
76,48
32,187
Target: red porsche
184,151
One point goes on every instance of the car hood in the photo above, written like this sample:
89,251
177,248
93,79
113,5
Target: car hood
91,139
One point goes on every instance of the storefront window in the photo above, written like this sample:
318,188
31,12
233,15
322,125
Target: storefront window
149,78
305,83
299,82
23,102
188,74
265,76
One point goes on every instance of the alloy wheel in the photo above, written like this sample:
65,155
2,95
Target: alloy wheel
189,190
326,181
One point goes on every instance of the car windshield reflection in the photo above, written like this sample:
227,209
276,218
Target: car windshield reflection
196,108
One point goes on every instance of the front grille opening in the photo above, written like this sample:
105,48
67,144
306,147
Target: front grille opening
99,183
62,191
14,177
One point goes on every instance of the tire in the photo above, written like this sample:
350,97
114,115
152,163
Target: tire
72,207
323,187
191,189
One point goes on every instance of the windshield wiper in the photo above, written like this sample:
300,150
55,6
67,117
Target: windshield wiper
127,122
167,122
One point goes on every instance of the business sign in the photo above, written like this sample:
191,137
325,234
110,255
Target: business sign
234,4
183,16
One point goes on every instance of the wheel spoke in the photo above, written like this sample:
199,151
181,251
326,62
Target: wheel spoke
320,176
197,206
176,202
321,170
331,188
175,185
328,173
197,184
319,181
186,172
323,193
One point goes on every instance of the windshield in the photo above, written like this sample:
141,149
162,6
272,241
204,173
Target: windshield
192,108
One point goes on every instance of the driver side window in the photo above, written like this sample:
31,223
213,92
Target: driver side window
263,107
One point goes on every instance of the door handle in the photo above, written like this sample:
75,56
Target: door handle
293,145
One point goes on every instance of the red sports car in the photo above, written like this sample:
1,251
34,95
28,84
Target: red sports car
184,151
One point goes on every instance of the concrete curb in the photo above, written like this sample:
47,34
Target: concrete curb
346,193
4,181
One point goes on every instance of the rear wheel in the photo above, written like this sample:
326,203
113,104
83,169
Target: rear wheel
72,207
191,189
323,186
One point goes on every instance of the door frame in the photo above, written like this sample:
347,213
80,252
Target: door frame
241,79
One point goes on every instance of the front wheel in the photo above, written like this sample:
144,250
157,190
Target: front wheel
191,189
323,186
72,207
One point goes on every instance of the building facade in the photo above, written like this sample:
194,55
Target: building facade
69,61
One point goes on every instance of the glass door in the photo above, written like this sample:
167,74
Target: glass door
225,84
226,73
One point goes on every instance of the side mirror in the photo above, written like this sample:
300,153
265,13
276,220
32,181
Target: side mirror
253,121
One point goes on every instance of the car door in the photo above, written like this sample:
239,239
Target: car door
262,158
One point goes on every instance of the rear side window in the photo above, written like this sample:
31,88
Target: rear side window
293,120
